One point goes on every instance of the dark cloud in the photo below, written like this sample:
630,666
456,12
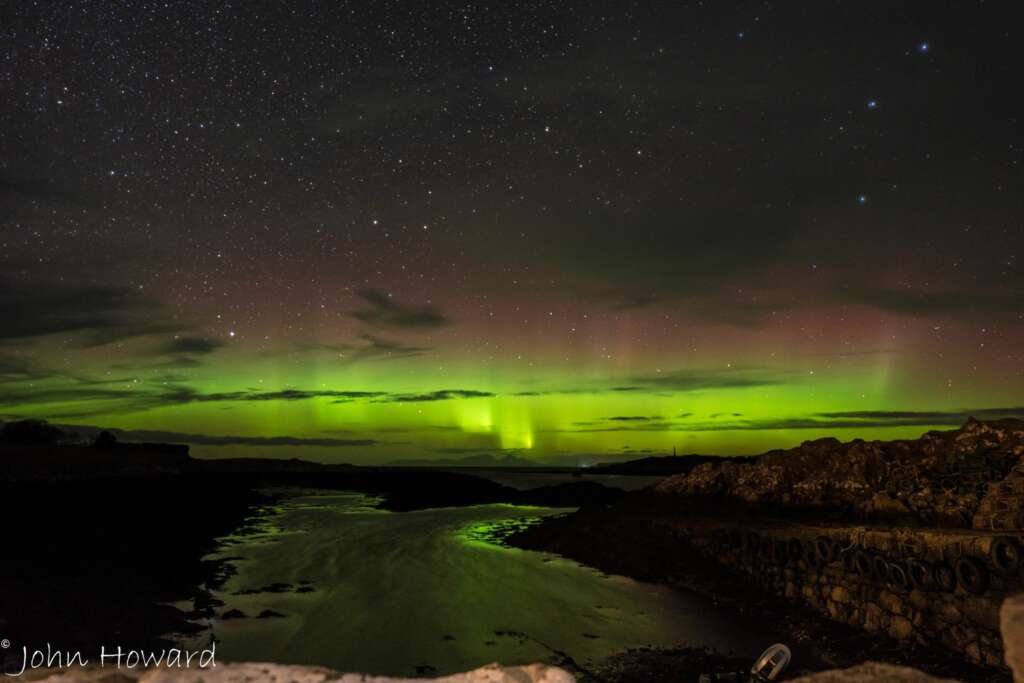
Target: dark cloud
627,300
822,421
382,310
639,426
372,348
125,396
728,378
417,428
128,396
888,414
96,314
918,302
137,435
192,345
441,395
577,390
18,369
186,395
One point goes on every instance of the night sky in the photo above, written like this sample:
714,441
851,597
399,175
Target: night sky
362,231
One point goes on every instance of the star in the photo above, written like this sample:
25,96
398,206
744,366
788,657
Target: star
923,47
862,199
872,104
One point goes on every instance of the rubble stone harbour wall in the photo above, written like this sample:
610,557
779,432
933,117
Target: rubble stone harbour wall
925,585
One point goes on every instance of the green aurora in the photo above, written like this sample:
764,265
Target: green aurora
313,403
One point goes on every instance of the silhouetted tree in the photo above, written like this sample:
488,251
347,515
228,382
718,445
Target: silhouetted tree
30,433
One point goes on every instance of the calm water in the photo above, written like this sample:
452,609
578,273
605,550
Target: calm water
426,592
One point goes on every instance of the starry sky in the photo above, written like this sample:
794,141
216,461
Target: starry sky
570,231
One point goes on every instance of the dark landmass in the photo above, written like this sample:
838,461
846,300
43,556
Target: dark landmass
665,465
656,466
91,561
479,460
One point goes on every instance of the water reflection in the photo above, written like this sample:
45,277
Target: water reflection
330,580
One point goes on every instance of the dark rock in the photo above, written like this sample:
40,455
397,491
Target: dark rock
269,614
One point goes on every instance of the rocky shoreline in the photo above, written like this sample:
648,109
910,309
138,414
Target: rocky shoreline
676,532
602,539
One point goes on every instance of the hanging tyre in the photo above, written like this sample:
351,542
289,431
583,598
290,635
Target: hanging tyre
823,546
849,559
811,556
944,577
880,568
920,574
1005,555
796,549
972,575
898,576
862,562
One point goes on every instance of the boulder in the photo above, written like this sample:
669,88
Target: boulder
872,672
278,673
1011,619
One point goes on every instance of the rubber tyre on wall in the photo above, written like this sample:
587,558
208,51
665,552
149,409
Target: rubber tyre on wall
823,546
880,568
944,577
1005,555
811,556
849,559
796,549
972,575
862,563
898,576
920,575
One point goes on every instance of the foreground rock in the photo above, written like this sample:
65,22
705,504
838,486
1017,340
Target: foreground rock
1012,625
868,672
276,673
872,672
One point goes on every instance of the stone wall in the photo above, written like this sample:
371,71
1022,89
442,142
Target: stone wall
930,586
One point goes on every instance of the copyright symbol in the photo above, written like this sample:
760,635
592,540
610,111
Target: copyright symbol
5,643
